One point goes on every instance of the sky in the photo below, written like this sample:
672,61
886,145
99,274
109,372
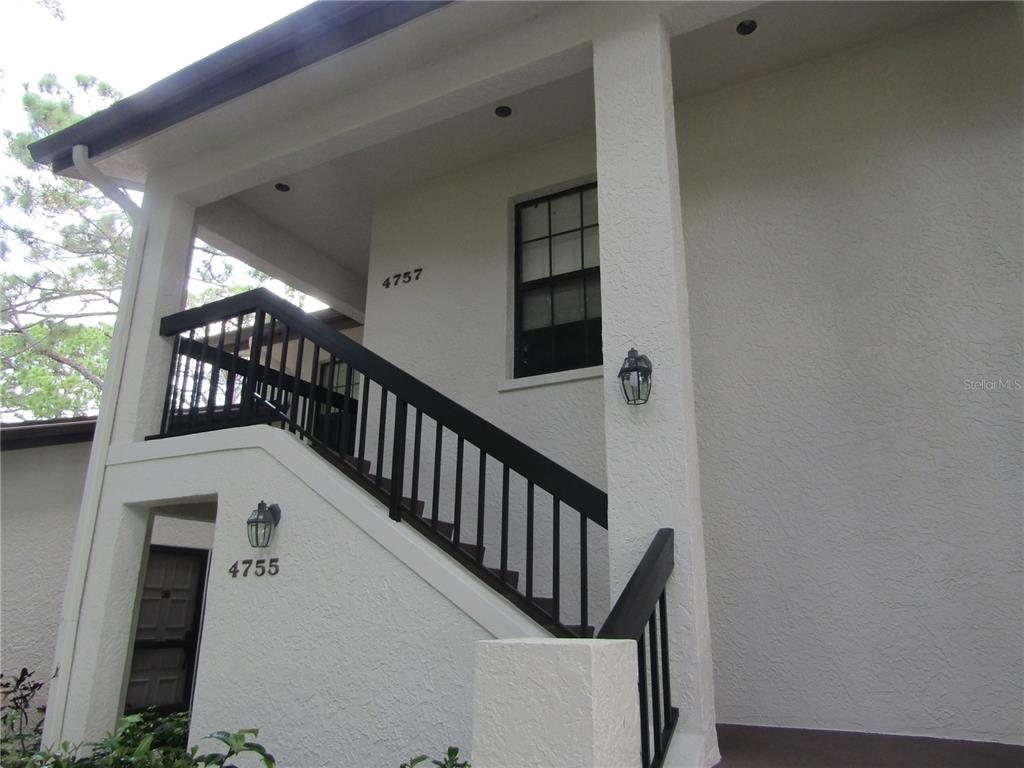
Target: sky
128,43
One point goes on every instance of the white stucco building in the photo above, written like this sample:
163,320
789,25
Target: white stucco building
807,215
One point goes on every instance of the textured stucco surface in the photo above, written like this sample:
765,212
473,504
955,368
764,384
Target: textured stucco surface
41,492
41,496
452,329
549,703
359,652
854,249
651,450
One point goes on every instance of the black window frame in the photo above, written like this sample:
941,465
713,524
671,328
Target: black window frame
592,352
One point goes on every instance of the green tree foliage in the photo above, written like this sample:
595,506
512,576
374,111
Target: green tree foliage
64,248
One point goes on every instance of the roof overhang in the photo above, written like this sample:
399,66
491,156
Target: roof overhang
305,37
36,434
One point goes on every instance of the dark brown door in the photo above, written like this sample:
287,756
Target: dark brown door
167,635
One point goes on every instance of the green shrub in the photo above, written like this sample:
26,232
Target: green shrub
146,740
450,760
21,724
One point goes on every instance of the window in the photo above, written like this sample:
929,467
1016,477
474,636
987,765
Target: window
558,283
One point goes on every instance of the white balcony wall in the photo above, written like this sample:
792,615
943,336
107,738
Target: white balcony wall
854,253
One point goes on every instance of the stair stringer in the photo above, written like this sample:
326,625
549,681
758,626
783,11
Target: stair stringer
493,613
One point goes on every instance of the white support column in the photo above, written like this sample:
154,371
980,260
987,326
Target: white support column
161,290
555,703
651,450
110,540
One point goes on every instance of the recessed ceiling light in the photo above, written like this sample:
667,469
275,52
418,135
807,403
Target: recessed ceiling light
503,111
746,27
282,187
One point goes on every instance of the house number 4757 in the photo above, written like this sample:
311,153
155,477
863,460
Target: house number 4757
259,567
402,277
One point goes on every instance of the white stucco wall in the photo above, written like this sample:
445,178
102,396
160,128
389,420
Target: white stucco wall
853,239
41,494
359,652
452,329
854,251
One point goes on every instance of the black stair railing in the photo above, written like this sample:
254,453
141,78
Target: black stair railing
255,358
640,614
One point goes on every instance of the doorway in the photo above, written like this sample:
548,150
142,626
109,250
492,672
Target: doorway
167,634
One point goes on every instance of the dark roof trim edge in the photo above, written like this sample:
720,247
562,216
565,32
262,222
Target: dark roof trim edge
296,41
36,434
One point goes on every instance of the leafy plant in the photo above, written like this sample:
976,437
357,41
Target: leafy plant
145,740
450,760
237,743
19,735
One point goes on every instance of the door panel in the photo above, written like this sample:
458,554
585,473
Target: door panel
163,662
159,678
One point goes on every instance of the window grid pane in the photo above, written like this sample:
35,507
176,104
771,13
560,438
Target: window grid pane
558,317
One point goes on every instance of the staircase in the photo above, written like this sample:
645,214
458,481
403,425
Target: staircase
517,520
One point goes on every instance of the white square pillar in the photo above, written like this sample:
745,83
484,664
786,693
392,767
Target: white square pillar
97,617
651,449
161,290
554,703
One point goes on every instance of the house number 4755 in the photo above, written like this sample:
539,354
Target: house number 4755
256,567
402,277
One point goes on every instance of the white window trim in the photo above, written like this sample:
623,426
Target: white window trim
547,379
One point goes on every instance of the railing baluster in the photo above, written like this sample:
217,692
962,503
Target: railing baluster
332,363
645,749
414,492
584,612
313,404
364,406
666,683
480,507
185,374
529,539
345,405
380,435
398,459
265,380
437,476
229,393
293,411
504,521
456,538
556,536
249,385
652,634
172,375
197,383
279,394
211,401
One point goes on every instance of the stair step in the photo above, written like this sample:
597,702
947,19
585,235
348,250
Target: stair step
547,603
580,631
470,549
511,577
447,530
360,466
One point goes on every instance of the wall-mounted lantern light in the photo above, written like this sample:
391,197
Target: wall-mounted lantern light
261,524
635,376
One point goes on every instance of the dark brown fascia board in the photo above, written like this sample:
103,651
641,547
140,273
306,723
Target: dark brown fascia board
36,434
296,41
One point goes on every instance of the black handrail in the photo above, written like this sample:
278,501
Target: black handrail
586,498
230,367
628,617
641,614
